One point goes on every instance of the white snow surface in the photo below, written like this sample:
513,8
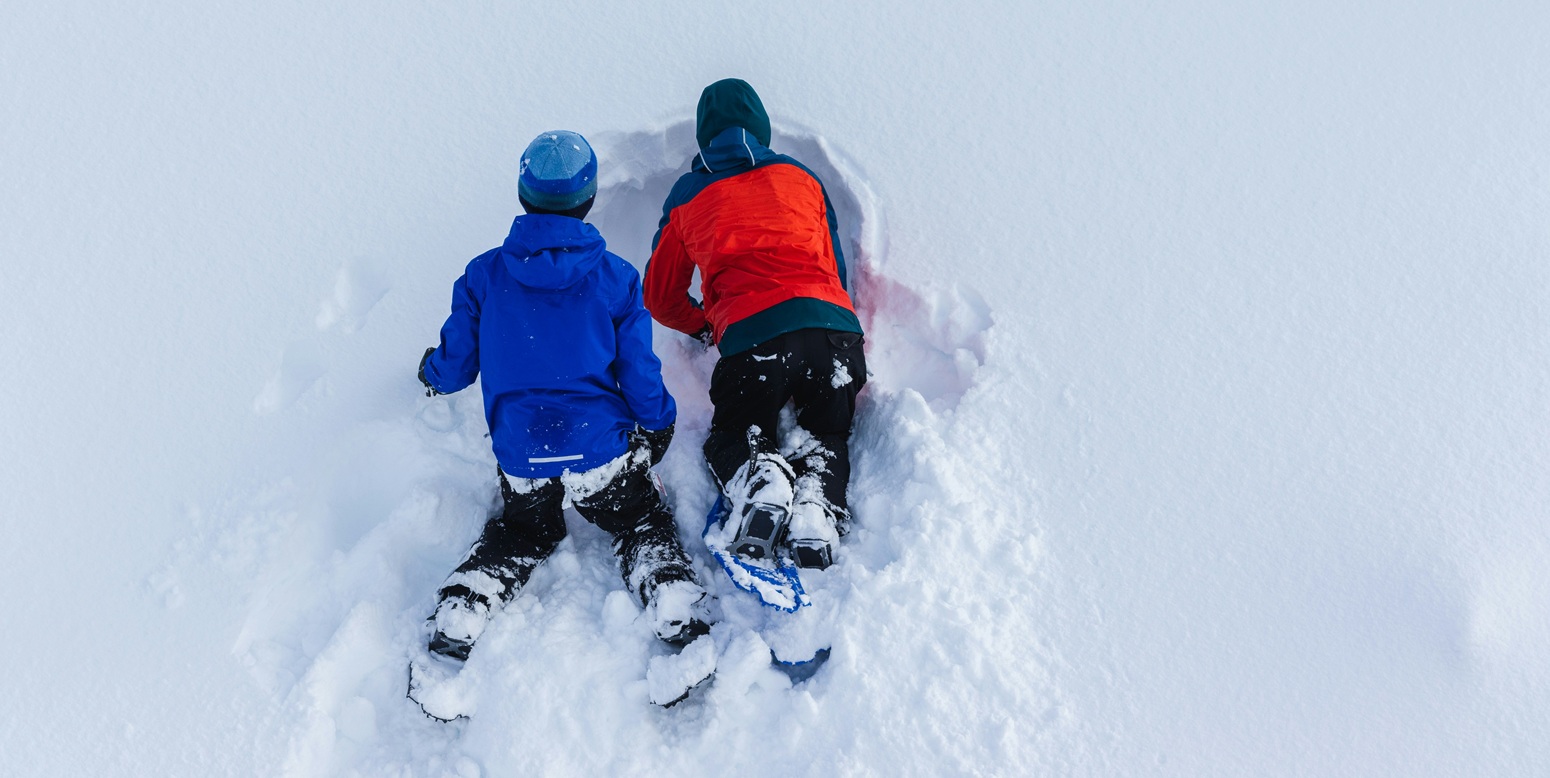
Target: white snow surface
1205,433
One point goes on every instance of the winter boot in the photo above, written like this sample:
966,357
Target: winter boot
459,620
679,611
813,531
812,535
760,495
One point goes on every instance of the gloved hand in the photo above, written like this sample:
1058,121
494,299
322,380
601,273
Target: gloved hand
430,391
658,440
705,336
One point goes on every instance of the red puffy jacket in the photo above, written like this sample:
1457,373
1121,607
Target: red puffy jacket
759,228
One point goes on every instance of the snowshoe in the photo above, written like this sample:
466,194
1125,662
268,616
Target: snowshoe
431,686
671,678
775,581
799,671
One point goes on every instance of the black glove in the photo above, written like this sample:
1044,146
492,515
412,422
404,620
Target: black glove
658,440
705,336
430,391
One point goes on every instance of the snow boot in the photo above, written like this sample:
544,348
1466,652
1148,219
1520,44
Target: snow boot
813,531
459,621
760,494
679,612
812,554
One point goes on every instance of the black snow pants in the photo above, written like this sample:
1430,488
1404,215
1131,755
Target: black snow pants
820,372
532,524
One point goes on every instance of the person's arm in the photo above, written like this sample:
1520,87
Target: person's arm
636,366
454,364
657,441
668,275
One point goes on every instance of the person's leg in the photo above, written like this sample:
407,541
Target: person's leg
833,372
512,544
652,560
748,391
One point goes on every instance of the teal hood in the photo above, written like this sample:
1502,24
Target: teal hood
730,102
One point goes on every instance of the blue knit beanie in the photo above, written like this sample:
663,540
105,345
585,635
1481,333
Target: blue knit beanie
559,171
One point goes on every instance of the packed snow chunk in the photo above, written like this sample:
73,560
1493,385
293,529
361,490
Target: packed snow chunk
744,668
841,375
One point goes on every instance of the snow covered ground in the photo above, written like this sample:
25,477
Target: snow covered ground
1206,433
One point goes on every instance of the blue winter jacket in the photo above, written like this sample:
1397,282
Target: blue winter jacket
556,325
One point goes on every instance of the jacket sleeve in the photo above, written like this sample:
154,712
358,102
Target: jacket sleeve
455,363
668,274
636,366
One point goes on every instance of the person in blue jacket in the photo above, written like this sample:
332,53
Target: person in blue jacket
573,394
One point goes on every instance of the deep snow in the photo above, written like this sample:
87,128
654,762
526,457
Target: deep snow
1206,432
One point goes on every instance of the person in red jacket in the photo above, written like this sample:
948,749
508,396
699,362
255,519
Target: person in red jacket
761,231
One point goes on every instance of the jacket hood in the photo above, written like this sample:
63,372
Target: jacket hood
734,149
546,251
730,102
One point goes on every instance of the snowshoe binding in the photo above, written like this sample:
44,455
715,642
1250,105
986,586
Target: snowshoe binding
761,501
